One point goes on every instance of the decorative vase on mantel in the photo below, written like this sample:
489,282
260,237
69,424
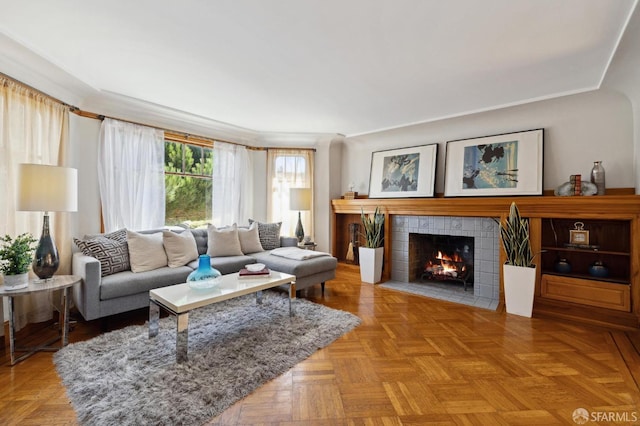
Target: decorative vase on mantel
205,276
597,177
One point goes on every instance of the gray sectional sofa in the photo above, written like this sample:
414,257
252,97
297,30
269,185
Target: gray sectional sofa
99,296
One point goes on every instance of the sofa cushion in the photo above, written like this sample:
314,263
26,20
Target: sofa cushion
223,242
146,251
180,247
299,268
129,283
227,264
250,239
269,234
202,236
113,255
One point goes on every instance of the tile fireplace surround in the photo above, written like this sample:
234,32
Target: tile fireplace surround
485,232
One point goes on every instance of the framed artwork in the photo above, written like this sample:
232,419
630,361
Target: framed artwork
403,172
506,164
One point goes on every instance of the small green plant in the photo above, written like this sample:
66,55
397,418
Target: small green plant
514,234
16,255
373,228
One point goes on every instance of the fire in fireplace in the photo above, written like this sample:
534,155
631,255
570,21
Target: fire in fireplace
445,258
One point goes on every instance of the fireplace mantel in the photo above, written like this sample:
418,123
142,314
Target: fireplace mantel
536,208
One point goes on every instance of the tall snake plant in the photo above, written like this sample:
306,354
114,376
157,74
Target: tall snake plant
373,228
514,233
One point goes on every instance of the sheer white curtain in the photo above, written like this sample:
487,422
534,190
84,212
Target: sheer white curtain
231,182
131,176
286,169
33,129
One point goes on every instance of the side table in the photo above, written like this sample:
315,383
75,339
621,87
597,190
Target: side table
57,282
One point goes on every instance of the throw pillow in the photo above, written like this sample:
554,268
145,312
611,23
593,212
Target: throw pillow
223,242
119,235
181,247
113,255
146,251
269,234
250,239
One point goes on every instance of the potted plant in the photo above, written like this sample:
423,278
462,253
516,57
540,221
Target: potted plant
15,260
519,271
371,254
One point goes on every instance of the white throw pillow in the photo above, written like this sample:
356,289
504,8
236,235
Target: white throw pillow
181,247
146,251
250,239
223,242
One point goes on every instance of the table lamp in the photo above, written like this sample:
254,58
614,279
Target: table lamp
48,189
300,199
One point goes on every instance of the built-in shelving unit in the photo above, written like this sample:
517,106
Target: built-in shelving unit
613,225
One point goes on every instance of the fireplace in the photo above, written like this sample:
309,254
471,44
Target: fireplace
445,258
408,268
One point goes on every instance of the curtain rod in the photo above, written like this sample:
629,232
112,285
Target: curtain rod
183,136
39,92
172,134
175,135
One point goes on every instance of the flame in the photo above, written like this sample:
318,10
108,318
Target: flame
447,265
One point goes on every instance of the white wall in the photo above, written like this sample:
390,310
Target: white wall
579,129
624,76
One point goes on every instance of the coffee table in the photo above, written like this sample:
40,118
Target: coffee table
180,299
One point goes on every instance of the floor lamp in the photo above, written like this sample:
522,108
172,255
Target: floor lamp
48,189
300,199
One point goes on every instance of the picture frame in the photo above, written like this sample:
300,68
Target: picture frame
404,172
508,164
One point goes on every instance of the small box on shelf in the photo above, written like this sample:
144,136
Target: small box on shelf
350,195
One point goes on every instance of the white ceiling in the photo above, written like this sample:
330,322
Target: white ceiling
322,66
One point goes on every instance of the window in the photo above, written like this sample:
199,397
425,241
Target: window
188,170
290,168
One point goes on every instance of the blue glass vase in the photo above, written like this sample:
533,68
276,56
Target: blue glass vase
205,276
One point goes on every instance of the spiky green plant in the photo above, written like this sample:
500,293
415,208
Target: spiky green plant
514,234
373,228
16,255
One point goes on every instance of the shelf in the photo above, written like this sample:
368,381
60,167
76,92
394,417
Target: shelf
592,251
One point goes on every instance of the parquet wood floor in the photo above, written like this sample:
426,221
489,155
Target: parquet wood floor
413,361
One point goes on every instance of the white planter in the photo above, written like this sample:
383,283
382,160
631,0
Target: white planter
15,282
371,260
519,286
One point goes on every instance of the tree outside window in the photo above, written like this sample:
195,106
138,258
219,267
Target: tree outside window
188,183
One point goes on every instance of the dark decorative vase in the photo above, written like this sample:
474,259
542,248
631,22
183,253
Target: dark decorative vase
598,269
45,259
562,265
205,276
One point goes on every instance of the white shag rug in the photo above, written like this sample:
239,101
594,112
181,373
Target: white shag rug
125,378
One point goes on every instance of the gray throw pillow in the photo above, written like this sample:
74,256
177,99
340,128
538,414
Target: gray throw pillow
112,254
269,234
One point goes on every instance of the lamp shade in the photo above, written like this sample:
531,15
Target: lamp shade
47,188
300,199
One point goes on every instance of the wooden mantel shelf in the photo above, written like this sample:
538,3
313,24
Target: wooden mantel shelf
610,206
